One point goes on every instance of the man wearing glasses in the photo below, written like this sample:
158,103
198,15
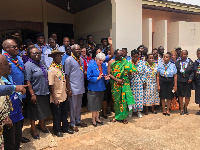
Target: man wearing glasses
11,50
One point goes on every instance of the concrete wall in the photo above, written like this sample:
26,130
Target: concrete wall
160,34
189,37
127,23
186,35
96,20
169,16
173,36
29,10
147,33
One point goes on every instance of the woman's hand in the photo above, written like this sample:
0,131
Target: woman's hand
8,122
34,99
107,77
100,76
110,40
175,88
158,88
144,85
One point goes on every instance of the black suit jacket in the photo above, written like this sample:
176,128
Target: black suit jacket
196,78
189,73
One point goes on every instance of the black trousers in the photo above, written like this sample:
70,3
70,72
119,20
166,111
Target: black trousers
84,99
60,114
12,136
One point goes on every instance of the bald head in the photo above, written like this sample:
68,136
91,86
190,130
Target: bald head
4,65
11,47
7,43
2,59
66,41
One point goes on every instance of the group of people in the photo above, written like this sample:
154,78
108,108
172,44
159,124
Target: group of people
47,79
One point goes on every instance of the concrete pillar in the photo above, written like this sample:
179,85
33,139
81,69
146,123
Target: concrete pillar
44,19
160,34
126,24
147,33
173,36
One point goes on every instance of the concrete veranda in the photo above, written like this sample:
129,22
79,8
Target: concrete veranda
150,132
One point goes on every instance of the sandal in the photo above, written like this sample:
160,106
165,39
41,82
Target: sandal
124,121
167,113
164,113
113,120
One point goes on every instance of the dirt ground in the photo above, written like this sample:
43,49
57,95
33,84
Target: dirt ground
153,131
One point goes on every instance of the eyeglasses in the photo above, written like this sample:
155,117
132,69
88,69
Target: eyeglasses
36,53
16,46
78,49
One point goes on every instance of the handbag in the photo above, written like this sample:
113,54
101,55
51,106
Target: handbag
174,104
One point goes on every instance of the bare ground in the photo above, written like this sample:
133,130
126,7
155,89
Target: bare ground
151,132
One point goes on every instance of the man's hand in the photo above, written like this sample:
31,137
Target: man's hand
21,88
189,81
69,93
34,99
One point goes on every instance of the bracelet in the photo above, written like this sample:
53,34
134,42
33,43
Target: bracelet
32,94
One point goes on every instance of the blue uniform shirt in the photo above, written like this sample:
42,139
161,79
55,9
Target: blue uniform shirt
92,75
171,69
16,73
16,114
107,59
64,57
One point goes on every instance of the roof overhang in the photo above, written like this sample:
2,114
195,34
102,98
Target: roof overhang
170,6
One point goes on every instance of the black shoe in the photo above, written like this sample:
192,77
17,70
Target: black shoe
95,125
24,140
146,113
35,137
198,113
69,131
186,112
43,130
59,134
101,123
181,113
105,117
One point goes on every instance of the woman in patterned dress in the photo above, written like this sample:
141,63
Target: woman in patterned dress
151,96
138,82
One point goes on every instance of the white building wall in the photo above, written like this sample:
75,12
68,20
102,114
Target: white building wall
147,33
96,20
173,36
160,34
189,37
128,23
